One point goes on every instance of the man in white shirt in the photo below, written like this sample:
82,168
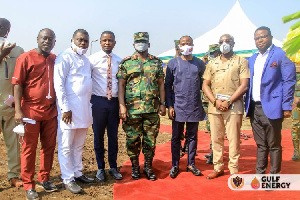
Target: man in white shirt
73,86
269,99
105,104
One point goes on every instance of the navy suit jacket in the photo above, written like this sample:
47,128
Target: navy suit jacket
277,84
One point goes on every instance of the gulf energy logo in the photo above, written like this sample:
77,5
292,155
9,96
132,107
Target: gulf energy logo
257,182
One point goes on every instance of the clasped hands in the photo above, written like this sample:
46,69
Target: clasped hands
222,105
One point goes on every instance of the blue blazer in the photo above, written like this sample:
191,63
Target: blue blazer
277,84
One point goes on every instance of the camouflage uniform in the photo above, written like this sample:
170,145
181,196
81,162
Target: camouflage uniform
296,119
142,101
212,48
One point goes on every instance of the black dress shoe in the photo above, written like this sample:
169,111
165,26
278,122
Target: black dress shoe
194,170
174,172
101,175
47,186
84,179
115,174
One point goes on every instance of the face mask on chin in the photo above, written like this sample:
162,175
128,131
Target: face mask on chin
78,50
141,46
186,50
225,48
5,40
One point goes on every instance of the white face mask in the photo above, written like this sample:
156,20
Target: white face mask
141,47
78,50
225,48
5,40
186,50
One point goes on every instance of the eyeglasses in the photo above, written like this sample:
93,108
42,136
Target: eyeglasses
261,37
227,41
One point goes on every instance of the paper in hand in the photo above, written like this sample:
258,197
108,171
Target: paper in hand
9,100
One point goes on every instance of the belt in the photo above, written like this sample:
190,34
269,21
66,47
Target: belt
256,102
101,97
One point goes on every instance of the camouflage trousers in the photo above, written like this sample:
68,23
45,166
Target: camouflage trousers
141,132
296,124
205,107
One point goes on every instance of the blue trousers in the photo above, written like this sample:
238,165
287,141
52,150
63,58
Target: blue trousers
192,138
105,115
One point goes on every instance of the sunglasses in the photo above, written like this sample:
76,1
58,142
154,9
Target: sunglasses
227,41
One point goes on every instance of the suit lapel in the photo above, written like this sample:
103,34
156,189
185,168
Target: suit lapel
268,59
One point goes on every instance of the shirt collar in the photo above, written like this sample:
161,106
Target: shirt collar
268,50
104,55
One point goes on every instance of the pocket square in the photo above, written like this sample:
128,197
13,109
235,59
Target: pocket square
274,64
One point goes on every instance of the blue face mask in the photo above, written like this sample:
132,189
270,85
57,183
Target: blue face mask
141,46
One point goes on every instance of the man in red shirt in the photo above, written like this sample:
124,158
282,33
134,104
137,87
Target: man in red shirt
35,99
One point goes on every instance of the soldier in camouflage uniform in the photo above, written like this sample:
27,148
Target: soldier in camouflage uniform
141,97
213,51
177,49
296,117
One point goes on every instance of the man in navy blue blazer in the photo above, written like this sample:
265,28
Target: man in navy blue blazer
269,99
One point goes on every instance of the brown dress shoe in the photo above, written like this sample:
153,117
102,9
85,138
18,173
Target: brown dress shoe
215,174
16,182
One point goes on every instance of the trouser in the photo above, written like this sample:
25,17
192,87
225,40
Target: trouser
70,147
141,125
192,138
105,115
296,124
7,124
232,123
47,130
267,135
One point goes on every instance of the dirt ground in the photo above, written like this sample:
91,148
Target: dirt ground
92,191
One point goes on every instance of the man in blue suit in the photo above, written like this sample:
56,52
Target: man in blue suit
269,99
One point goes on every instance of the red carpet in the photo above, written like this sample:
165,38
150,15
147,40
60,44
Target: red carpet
187,186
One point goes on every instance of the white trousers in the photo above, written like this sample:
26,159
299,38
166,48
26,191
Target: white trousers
70,147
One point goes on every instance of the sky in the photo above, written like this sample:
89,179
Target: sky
164,20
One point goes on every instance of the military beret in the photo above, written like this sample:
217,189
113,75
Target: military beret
141,36
213,47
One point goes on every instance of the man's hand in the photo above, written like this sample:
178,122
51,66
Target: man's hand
222,105
171,112
67,117
162,110
5,50
19,116
123,114
287,113
295,102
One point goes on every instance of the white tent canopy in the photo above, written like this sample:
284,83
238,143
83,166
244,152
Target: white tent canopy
237,24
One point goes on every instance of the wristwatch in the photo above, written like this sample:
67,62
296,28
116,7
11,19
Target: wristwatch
162,103
229,102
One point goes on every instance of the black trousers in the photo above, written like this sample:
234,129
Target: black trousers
267,135
105,115
192,138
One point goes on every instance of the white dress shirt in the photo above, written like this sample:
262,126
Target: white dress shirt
258,70
73,87
99,73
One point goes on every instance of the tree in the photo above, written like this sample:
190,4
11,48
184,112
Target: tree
292,43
